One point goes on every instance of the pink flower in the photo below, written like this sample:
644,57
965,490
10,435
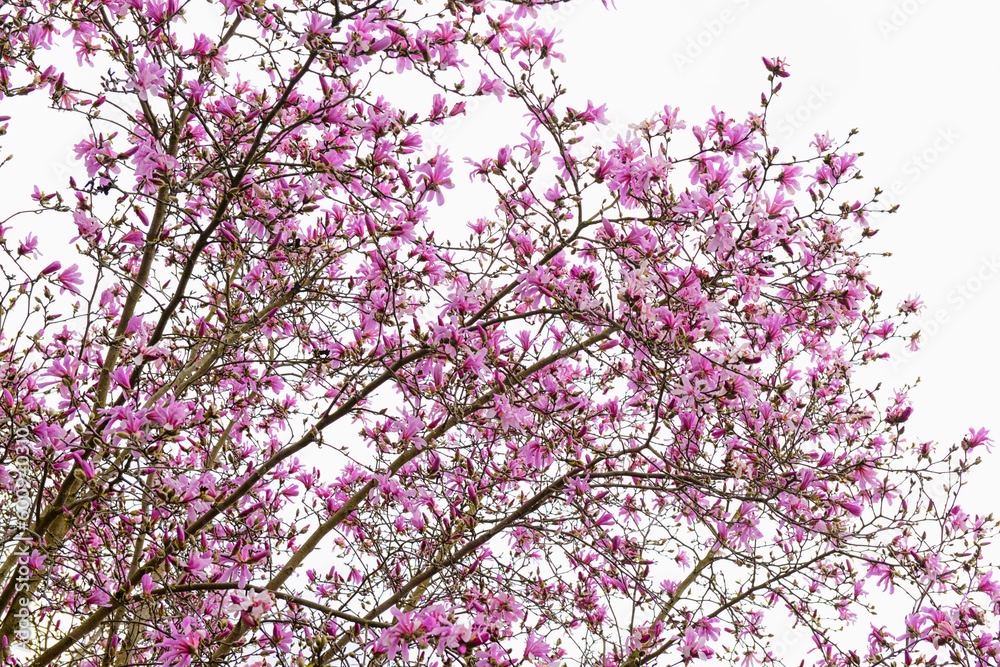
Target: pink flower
158,11
536,455
50,269
233,6
898,414
436,172
69,279
98,598
534,647
205,50
987,585
776,205
788,178
88,227
911,304
120,376
822,142
853,509
592,114
202,46
977,438
395,640
942,630
170,414
197,563
134,237
693,647
776,66
96,154
318,25
148,79
85,466
86,40
40,196
35,560
182,646
40,35
489,85
29,246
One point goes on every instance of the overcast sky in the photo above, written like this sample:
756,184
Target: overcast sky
918,80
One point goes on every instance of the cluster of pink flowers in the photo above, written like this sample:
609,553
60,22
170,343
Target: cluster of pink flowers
276,414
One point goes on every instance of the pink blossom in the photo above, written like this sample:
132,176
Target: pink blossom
180,647
776,66
396,639
35,560
40,35
86,40
233,6
788,178
988,585
98,598
910,305
29,246
535,647
822,142
976,439
135,238
693,647
50,269
70,279
435,173
169,414
148,79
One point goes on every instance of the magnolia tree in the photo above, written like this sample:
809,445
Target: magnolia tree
276,414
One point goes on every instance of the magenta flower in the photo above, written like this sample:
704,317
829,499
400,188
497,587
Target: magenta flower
693,647
776,66
50,269
396,640
988,585
822,142
29,246
182,645
853,509
788,178
148,79
120,376
534,647
35,560
69,279
134,237
436,173
202,46
98,598
977,438
318,25
169,414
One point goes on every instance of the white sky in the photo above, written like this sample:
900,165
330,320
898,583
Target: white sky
918,79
